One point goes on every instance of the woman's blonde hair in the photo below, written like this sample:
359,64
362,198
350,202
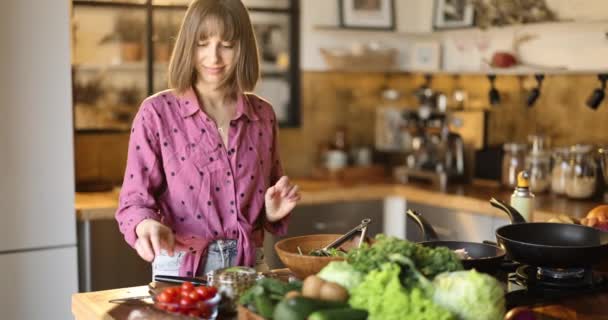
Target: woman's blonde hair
227,19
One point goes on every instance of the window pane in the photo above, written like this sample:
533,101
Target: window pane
272,32
166,27
109,79
277,90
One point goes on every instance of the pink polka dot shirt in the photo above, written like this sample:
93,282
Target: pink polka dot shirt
180,173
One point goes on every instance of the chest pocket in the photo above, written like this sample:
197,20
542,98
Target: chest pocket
208,160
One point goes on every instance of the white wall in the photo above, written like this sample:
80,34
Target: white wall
413,16
581,45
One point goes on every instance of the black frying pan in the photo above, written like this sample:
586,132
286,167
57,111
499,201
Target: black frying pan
484,257
554,245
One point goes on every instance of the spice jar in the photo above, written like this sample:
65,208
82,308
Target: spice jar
232,281
538,164
559,172
513,161
582,175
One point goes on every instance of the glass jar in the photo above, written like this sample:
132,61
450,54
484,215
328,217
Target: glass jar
582,175
513,161
561,166
538,165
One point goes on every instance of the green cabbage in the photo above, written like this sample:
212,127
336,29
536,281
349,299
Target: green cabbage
341,273
470,295
384,297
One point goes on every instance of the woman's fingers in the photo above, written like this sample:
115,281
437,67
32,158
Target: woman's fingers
155,240
144,249
295,189
169,242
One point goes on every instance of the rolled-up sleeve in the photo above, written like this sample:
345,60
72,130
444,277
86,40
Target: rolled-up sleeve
279,227
143,175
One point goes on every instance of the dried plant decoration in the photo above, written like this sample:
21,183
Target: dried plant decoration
489,13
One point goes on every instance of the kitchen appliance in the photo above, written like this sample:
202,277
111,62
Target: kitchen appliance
437,152
484,257
38,230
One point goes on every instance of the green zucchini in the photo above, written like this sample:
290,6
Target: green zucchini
299,308
339,314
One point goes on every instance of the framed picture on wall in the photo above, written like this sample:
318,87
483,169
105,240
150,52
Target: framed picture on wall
425,56
367,14
453,14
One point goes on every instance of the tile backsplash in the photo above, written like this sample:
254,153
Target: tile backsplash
333,99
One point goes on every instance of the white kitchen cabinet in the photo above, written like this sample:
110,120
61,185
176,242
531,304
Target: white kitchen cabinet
451,224
38,284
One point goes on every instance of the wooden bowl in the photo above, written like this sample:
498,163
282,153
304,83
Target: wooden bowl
304,265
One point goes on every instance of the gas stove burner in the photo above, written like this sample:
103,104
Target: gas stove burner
551,273
547,278
530,285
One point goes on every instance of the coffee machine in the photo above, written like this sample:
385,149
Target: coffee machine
436,153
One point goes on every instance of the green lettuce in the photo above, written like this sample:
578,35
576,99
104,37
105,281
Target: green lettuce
384,297
341,273
470,295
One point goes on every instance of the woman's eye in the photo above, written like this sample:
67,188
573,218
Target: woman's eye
202,44
227,45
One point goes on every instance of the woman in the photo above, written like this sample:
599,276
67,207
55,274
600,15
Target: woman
203,177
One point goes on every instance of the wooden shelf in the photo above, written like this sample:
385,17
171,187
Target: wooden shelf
121,67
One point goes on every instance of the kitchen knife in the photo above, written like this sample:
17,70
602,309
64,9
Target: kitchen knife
176,279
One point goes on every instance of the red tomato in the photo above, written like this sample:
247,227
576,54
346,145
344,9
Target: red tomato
163,297
212,291
185,293
172,308
172,291
187,286
203,292
194,296
186,303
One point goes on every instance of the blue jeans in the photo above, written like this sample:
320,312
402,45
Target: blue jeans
220,254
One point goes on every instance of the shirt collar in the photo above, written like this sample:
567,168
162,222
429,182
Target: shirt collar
189,105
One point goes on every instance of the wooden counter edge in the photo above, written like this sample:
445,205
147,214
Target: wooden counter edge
87,210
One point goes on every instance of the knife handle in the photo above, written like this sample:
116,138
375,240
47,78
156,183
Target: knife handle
176,279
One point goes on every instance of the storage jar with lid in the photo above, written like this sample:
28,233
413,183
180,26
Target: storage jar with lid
559,172
513,162
538,164
582,175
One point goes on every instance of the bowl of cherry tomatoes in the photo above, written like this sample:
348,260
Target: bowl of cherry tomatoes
198,302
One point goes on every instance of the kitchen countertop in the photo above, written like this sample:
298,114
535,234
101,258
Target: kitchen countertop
469,198
95,306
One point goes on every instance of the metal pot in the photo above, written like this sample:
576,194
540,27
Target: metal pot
485,257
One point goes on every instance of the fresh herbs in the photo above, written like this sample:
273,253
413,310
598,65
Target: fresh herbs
430,261
263,297
331,252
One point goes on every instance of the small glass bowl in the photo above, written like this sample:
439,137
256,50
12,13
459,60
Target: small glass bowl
175,308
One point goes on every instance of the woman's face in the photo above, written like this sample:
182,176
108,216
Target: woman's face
214,58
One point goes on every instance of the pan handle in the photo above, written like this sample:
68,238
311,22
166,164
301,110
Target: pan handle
428,233
514,215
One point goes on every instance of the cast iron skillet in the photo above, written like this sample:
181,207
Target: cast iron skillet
484,257
553,245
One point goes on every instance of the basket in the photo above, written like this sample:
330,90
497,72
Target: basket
367,60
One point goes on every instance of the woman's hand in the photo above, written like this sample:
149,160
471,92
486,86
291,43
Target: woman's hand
152,236
281,199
